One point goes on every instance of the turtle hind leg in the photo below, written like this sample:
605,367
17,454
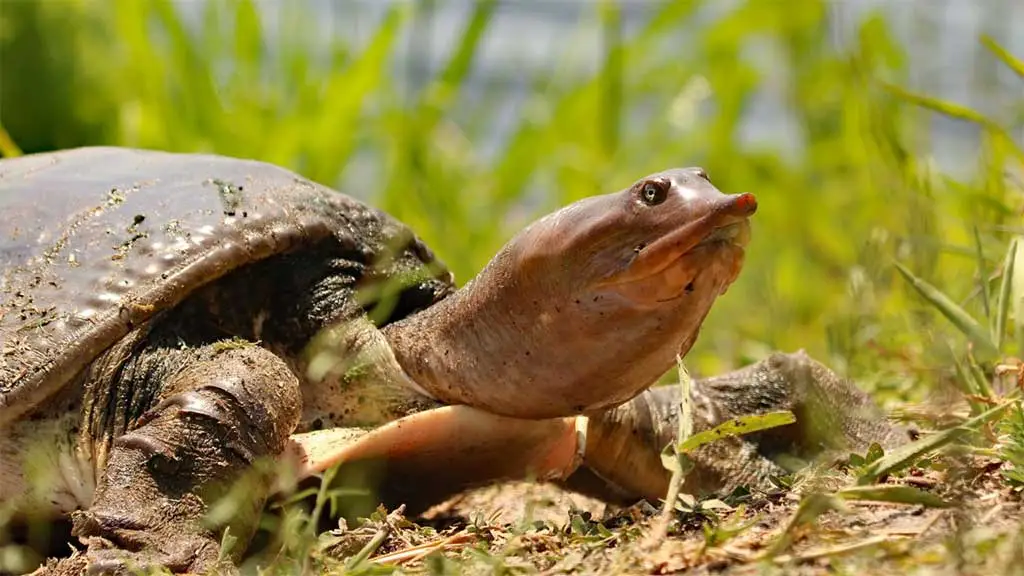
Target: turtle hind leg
220,411
831,412
623,464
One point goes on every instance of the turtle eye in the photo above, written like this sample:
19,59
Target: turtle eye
653,193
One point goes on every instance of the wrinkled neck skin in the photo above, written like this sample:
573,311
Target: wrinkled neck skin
533,343
586,307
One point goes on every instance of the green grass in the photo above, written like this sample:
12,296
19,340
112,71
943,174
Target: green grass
832,217
865,252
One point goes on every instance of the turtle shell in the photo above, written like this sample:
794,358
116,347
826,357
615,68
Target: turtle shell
96,241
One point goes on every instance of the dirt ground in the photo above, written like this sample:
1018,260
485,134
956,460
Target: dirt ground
971,523
529,528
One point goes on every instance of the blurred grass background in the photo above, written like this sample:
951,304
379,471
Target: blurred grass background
383,100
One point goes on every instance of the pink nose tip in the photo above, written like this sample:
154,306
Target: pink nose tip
745,203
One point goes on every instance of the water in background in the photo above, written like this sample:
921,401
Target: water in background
563,36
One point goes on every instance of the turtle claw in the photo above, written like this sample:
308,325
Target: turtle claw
194,402
95,522
148,445
217,402
198,404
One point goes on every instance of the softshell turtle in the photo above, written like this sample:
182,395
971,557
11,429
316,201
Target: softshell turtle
168,320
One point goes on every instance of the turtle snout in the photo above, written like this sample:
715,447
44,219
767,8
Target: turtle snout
743,204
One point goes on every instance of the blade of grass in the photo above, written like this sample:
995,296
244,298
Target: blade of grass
957,111
737,427
892,493
677,462
573,110
611,102
8,149
227,544
812,506
420,196
1004,294
968,386
833,550
676,459
1017,295
1011,61
685,402
954,313
908,453
980,379
440,93
322,499
359,559
248,34
982,286
951,109
190,63
347,93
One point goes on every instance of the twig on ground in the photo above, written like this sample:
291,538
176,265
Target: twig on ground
931,523
922,481
988,516
833,551
915,531
378,539
417,552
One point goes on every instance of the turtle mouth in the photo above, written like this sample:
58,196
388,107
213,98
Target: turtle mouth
734,233
719,253
679,277
727,221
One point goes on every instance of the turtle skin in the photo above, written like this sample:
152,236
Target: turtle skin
156,306
135,287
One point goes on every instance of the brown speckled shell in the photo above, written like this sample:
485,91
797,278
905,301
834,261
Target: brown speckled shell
95,241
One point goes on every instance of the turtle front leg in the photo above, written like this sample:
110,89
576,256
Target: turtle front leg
433,455
225,409
622,461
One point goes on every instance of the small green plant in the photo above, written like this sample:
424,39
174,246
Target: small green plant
676,457
1011,449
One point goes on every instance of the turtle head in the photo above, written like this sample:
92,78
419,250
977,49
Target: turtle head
589,305
667,245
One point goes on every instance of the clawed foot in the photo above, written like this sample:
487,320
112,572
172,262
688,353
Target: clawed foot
102,557
120,543
222,416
